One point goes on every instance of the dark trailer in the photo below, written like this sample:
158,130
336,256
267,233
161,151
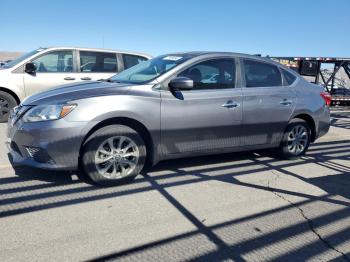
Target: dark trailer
332,73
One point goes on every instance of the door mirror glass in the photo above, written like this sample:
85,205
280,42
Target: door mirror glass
181,83
30,68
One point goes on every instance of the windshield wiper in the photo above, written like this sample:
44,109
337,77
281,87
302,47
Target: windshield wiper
106,80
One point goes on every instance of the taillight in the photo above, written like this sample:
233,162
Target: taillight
326,97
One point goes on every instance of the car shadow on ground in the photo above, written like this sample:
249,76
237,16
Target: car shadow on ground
341,120
33,190
58,177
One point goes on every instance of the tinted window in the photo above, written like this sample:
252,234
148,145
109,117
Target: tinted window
258,74
289,77
98,62
57,61
131,60
212,74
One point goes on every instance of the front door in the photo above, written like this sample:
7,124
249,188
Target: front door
207,117
267,104
53,69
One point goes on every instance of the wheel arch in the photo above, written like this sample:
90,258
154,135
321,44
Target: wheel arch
9,91
310,121
132,123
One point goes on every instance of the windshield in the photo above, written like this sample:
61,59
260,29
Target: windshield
151,69
22,58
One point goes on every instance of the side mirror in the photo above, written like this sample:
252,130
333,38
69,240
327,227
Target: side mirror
181,83
30,68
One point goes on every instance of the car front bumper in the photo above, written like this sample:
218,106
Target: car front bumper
47,145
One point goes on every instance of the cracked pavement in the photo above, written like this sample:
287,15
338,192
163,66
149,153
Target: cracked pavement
309,221
233,207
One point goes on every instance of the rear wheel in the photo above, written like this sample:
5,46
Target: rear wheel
113,155
296,139
7,102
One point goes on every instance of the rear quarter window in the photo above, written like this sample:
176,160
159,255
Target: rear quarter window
288,77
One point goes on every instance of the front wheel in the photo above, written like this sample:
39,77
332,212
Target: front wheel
113,155
296,139
7,102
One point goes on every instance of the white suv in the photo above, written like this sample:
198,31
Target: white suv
48,67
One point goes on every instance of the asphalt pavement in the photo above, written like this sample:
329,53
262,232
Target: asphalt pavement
233,207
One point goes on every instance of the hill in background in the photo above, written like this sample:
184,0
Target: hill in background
4,56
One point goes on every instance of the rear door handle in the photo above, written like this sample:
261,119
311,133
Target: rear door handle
230,104
69,78
86,78
286,102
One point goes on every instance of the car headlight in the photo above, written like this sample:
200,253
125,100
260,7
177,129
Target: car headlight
18,111
48,112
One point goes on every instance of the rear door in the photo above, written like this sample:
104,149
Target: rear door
207,117
267,104
93,65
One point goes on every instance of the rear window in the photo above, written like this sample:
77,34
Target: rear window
289,78
98,62
259,74
131,60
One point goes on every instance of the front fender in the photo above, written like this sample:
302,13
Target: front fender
13,87
143,109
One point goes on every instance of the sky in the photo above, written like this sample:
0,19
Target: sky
267,27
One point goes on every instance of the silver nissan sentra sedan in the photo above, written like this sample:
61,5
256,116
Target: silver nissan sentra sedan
172,106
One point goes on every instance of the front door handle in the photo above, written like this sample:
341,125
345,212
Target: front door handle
230,104
86,78
69,78
286,102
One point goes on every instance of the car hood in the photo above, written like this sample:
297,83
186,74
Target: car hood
76,91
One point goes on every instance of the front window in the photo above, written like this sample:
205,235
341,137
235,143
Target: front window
151,69
212,74
56,61
22,58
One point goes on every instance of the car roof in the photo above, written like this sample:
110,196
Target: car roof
200,53
96,49
219,53
208,54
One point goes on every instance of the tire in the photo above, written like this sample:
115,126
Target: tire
299,132
7,102
113,155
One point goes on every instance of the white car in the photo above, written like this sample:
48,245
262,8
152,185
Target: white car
44,68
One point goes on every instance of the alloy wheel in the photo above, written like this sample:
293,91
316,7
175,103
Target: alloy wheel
298,139
4,107
117,157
